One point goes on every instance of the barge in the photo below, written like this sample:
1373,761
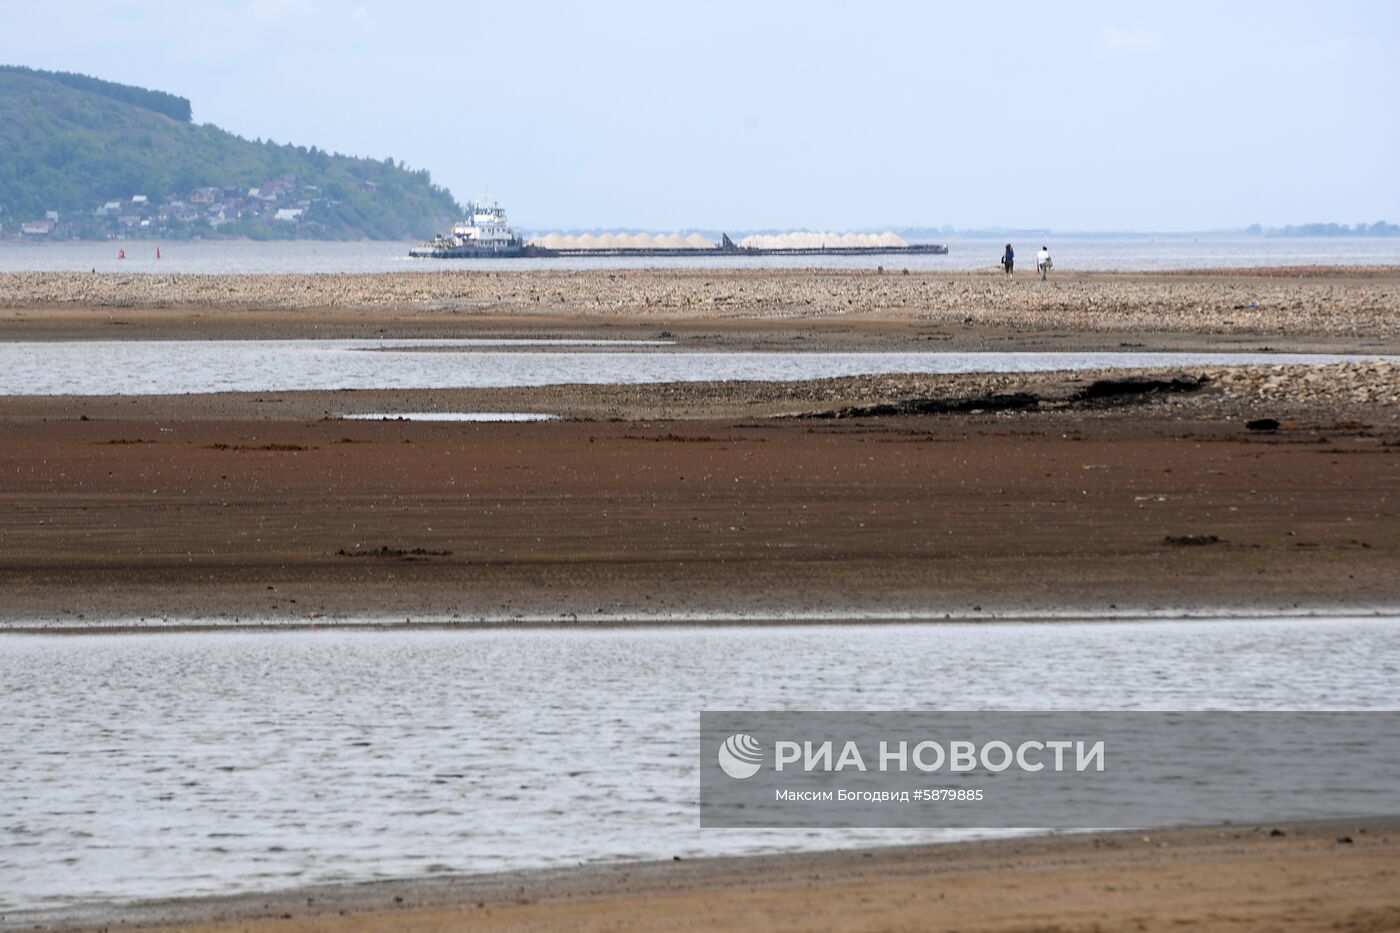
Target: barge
485,234
727,247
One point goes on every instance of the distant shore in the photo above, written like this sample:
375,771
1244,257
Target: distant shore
1307,876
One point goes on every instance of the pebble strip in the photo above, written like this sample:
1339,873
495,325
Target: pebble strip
1351,302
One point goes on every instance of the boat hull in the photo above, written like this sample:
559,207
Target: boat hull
465,252
925,249
540,252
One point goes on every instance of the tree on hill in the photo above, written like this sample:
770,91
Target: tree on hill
74,145
176,108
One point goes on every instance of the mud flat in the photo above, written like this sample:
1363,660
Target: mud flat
1291,877
1257,489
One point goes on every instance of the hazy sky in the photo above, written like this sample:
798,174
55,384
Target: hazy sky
678,113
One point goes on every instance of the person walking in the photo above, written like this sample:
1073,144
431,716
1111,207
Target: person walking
1042,262
1008,259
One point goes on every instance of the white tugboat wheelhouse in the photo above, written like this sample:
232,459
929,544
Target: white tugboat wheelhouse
484,232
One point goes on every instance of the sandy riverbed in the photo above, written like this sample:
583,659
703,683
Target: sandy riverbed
716,497
226,507
1329,303
921,497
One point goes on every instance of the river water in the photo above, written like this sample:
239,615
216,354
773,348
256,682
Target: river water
153,765
1124,253
153,367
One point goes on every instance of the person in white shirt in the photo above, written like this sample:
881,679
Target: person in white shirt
1042,262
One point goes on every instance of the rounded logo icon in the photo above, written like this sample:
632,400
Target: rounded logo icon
740,756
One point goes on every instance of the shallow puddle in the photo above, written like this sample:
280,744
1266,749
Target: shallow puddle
145,367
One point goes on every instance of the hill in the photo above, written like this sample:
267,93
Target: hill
89,158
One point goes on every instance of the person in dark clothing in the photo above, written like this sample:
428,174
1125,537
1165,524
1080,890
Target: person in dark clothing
1008,259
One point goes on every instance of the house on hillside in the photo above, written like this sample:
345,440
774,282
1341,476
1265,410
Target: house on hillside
281,187
292,214
37,227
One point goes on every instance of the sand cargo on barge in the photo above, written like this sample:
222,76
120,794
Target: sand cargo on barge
485,234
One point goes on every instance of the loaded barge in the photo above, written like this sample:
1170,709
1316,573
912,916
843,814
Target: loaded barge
485,234
727,247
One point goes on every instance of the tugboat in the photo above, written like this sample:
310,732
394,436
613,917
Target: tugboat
484,234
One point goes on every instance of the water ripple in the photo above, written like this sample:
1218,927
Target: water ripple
219,762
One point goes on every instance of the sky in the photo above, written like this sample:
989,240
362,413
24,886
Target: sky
678,114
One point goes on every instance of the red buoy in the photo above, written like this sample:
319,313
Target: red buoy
121,254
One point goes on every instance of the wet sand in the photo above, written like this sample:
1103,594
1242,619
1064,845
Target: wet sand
1342,877
236,507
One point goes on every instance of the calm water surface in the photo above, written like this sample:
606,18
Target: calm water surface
1071,252
139,766
147,367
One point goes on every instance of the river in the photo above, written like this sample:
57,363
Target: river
1071,252
154,765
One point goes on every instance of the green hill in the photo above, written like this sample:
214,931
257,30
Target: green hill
114,160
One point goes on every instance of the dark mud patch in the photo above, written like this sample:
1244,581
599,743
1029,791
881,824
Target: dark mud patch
1017,401
273,448
1098,394
394,553
1130,386
1191,540
692,439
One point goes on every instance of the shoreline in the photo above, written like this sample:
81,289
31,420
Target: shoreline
697,620
1300,875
